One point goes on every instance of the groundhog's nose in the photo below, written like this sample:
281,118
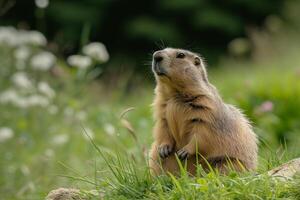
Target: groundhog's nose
157,56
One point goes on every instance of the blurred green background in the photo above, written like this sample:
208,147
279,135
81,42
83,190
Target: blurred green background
136,28
71,65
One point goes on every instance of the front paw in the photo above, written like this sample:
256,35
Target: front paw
165,150
183,154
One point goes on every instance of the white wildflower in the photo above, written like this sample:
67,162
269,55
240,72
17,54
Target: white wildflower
43,61
45,89
21,80
53,109
22,53
88,134
12,96
109,129
49,153
6,134
25,170
42,3
37,100
9,95
82,62
21,102
9,36
35,38
81,115
60,139
97,51
13,37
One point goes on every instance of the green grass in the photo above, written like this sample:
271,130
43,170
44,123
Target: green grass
114,164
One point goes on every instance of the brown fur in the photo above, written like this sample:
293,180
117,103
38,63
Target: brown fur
191,116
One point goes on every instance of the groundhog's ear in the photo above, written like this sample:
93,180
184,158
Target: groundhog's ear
202,67
197,61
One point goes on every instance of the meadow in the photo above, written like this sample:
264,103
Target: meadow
61,128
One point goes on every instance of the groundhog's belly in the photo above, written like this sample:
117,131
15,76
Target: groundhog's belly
177,119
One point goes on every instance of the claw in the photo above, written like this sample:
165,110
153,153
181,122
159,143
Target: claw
182,154
165,151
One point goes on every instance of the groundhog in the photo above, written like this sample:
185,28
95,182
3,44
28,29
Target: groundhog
193,123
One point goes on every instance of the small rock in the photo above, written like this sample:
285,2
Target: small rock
64,194
287,170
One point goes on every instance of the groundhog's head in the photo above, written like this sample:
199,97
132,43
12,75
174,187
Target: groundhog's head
178,68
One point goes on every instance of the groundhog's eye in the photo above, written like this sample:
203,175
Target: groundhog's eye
180,55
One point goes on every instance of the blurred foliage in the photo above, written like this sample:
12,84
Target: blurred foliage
135,28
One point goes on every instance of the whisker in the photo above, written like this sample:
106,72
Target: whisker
160,44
